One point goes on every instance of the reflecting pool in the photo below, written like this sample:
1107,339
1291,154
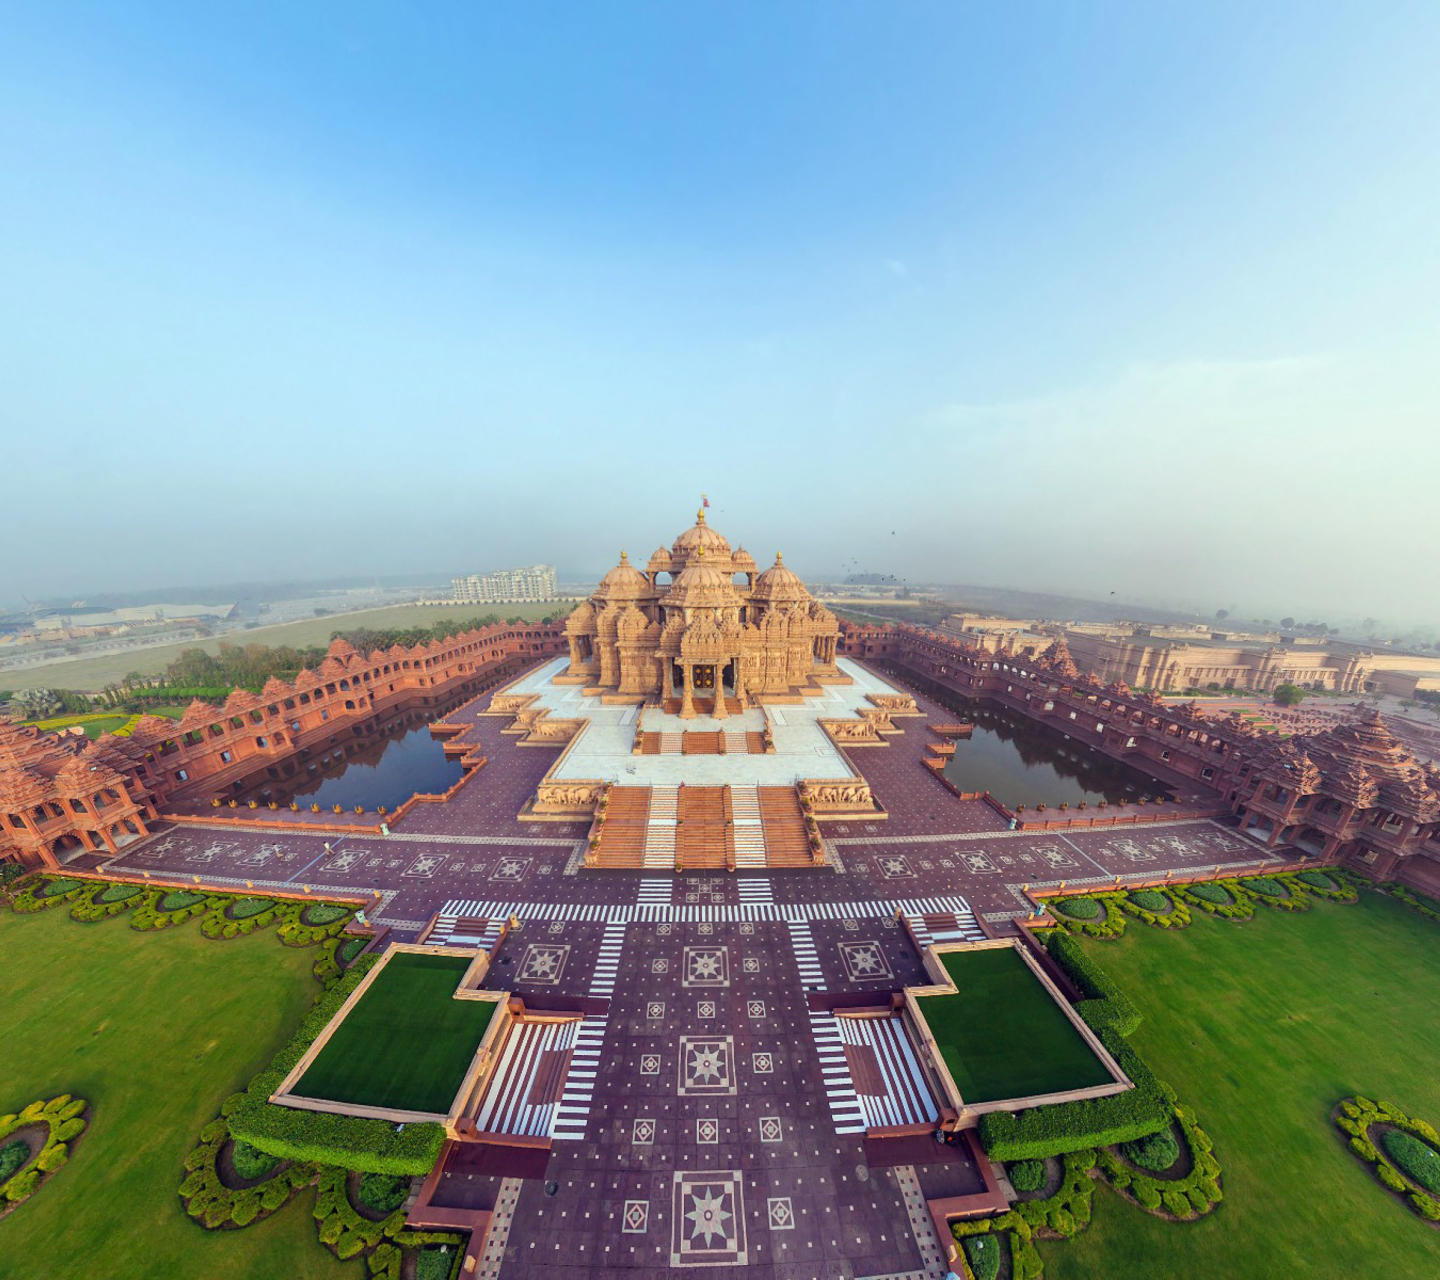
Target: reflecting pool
1020,762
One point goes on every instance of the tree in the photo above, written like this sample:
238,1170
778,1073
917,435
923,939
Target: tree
36,704
1289,695
1287,623
1221,614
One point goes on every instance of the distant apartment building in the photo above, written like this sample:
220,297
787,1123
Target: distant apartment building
535,582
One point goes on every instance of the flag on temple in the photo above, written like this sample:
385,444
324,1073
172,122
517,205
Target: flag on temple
704,501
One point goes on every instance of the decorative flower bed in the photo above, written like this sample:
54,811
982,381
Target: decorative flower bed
35,1144
1403,1153
1217,898
1157,908
1096,915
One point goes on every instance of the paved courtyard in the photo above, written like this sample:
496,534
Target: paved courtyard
719,1127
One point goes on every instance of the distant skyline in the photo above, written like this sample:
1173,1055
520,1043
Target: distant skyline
1067,299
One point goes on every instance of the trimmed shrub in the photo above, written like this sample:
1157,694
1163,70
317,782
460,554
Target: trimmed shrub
1077,908
1417,1159
434,1264
1316,880
324,913
179,899
1266,886
57,888
249,1162
1150,899
350,948
982,1254
1156,1153
1027,1175
11,1158
120,893
382,1192
1208,891
1176,1202
245,908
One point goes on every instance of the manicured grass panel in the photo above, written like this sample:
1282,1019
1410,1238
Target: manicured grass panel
154,1030
408,1042
1003,1036
1262,1030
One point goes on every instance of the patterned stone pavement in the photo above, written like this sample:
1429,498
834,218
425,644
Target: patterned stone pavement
714,1133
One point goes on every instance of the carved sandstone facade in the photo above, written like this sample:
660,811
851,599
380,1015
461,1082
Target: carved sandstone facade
61,795
1353,794
699,637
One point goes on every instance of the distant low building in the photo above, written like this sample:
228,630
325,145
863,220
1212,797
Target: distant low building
132,616
535,582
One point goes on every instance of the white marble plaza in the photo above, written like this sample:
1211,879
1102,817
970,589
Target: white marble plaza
802,748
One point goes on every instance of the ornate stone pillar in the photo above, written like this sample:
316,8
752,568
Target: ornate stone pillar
687,699
720,711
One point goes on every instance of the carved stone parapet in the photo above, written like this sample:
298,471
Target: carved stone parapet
897,704
570,796
852,732
838,796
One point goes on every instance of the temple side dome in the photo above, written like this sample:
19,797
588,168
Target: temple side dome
779,583
624,581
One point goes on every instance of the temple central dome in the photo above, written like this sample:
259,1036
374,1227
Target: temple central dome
700,535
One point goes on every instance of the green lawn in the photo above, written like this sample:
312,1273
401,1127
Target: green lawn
407,1043
1003,1036
155,1030
1262,1027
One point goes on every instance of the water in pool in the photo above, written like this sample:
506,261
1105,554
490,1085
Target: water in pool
1020,762
386,769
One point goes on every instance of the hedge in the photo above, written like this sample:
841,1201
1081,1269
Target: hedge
64,1118
360,1143
1356,1116
250,1163
1093,983
1318,884
212,1204
1229,900
1191,1196
1093,925
1157,908
1062,1214
1283,894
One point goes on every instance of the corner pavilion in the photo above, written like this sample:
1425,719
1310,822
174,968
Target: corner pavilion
700,639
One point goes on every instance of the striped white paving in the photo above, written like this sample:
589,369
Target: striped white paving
747,829
651,913
807,959
845,1110
907,1098
508,1107
755,892
660,826
573,1112
465,931
607,961
955,926
653,891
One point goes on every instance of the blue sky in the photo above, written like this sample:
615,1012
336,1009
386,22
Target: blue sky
1082,297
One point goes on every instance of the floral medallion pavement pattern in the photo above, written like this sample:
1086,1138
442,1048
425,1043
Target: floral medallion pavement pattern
708,1221
707,1065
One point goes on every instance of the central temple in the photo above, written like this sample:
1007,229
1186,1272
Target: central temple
701,631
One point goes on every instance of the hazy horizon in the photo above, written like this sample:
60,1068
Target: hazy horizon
1065,301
